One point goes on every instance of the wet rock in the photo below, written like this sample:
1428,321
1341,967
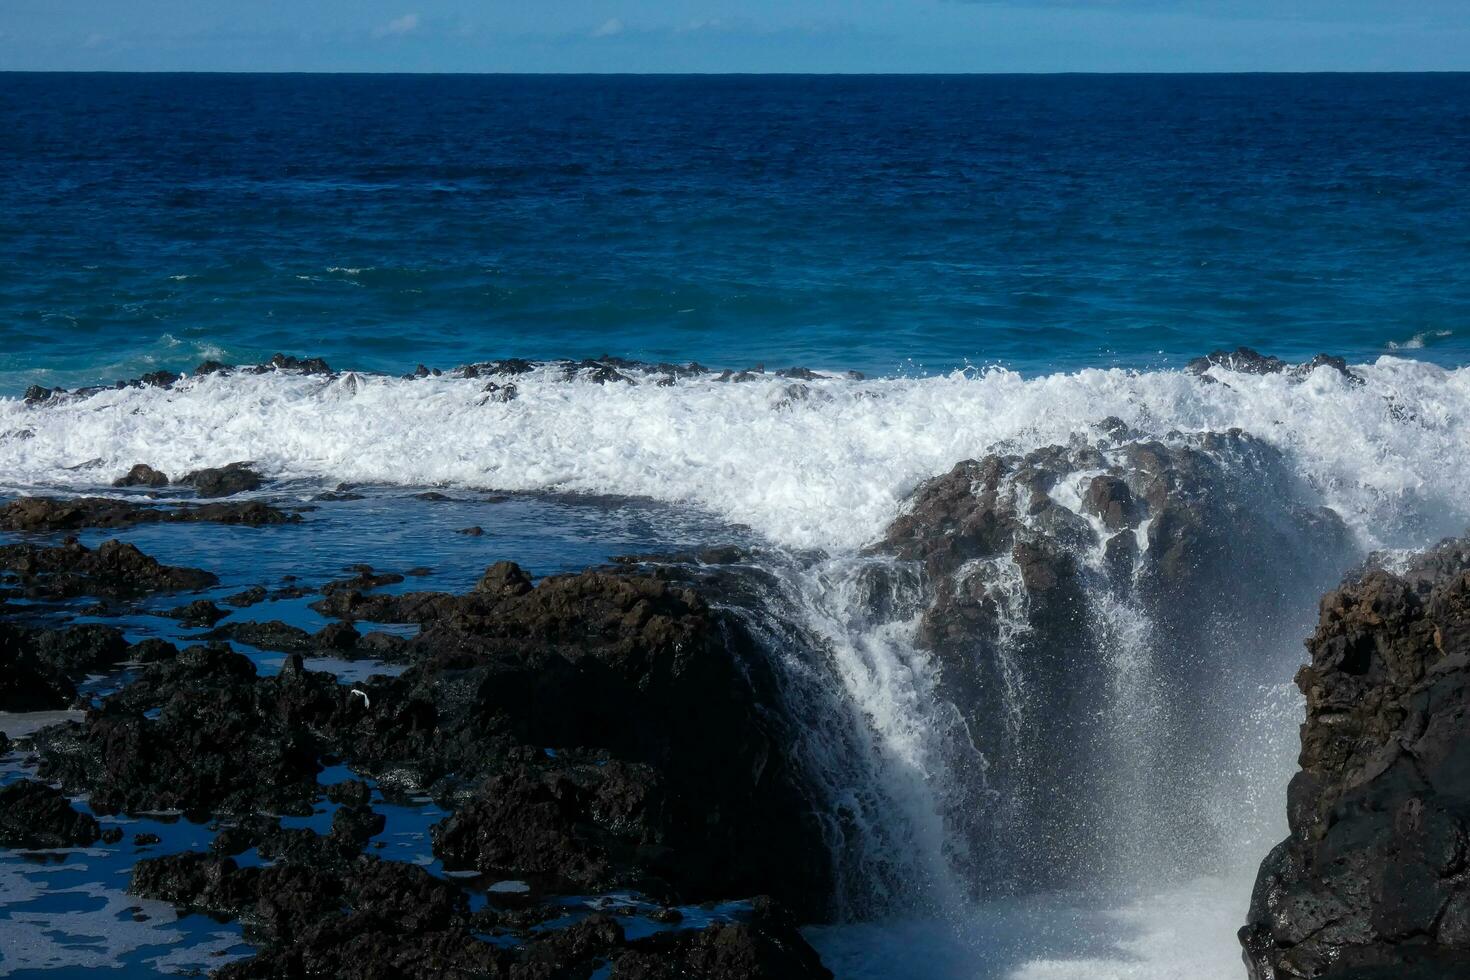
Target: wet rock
1198,534
304,365
145,840
249,597
34,815
1244,360
203,734
1371,880
142,475
114,570
365,578
1110,499
223,481
36,394
40,668
273,635
111,835
202,612
766,946
499,393
640,670
339,637
352,792
54,514
472,532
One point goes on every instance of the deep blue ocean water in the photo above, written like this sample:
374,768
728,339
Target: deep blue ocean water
884,224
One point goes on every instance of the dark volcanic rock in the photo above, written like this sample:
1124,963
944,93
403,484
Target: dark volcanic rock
364,917
39,668
55,514
1244,360
666,773
33,814
1373,880
142,475
1030,559
766,946
115,570
202,733
199,613
224,481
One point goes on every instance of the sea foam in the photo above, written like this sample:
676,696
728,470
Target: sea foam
817,463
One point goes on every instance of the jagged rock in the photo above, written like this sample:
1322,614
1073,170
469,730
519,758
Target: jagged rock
55,514
223,481
33,814
1373,879
142,475
115,570
274,635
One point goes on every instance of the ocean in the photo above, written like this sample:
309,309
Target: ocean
955,265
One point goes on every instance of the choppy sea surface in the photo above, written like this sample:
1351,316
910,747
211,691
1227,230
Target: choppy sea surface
883,224
1007,260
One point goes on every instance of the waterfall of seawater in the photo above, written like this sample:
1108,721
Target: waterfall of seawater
1179,786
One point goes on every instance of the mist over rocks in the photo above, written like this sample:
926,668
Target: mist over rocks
1372,880
1044,568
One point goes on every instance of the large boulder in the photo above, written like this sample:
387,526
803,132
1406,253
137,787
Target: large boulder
1076,592
1373,880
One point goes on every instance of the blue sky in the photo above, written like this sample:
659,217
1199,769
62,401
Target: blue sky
722,35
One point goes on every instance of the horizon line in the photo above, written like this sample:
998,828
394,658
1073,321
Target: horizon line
730,74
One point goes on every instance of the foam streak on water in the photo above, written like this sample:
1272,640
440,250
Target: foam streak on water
814,464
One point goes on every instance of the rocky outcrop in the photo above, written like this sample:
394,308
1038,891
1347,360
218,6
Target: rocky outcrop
223,481
1041,567
200,732
1373,880
1244,360
113,570
34,815
39,514
40,668
594,731
142,475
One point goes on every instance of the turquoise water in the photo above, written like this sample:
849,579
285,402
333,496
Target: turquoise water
884,224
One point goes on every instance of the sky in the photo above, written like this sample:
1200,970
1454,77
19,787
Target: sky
729,36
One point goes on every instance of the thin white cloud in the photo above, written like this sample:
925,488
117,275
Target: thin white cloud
406,24
609,28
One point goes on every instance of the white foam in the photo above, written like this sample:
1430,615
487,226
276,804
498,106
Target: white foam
1182,932
825,470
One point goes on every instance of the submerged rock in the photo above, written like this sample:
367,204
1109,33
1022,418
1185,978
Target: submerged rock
1373,880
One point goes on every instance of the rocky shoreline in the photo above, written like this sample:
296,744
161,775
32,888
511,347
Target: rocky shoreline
595,734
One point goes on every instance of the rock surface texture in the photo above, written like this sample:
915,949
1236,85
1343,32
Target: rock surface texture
1373,881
